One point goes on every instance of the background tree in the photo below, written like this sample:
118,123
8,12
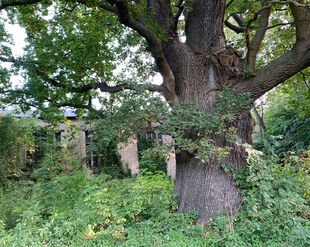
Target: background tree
74,47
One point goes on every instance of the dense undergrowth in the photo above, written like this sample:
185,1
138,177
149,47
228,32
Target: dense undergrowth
73,210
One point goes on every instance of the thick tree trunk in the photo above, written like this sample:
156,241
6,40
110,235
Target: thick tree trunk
205,187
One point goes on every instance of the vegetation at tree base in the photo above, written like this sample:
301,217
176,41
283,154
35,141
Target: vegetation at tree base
287,118
73,210
54,205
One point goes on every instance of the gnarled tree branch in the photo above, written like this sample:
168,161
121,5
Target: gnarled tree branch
301,16
282,68
155,45
5,4
103,87
25,98
101,4
275,72
120,7
280,25
239,19
233,27
180,6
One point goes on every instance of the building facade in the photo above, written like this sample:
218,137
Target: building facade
76,133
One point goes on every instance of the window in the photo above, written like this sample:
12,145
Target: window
92,157
155,137
58,136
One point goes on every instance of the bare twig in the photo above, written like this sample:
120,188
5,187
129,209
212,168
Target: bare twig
229,3
304,79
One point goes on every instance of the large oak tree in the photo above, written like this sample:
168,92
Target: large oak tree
76,48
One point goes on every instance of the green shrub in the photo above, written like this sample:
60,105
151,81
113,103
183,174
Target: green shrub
59,159
73,210
274,210
288,116
154,159
16,142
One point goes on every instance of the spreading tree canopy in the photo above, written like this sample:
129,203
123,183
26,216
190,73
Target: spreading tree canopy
211,55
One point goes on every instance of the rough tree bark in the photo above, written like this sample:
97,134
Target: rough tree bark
205,187
196,71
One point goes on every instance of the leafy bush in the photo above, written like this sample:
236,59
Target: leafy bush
274,209
152,156
16,142
12,201
287,117
58,159
77,211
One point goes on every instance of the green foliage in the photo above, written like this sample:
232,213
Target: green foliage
57,159
288,116
108,210
75,45
274,209
193,129
154,159
84,46
16,141
109,160
300,164
127,114
12,201
5,41
230,102
278,39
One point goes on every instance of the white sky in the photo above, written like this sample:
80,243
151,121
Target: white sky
18,35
